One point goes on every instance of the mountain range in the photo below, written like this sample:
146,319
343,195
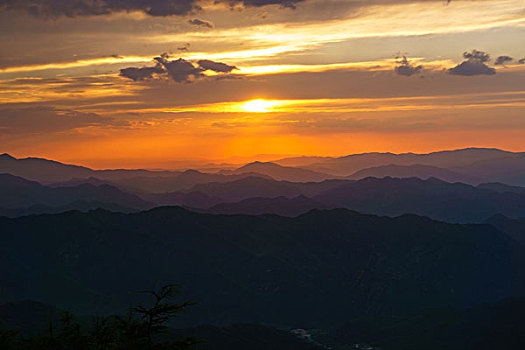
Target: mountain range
343,166
318,269
470,165
20,193
437,199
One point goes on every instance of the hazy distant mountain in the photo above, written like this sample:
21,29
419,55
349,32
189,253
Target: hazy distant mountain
453,202
183,181
80,205
136,180
194,199
210,194
499,187
433,198
80,181
347,165
317,270
279,172
509,170
280,206
417,170
44,170
213,193
17,193
301,160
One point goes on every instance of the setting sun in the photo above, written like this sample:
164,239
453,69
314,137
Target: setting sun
259,106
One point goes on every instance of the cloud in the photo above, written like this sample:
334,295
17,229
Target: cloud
407,69
259,3
180,70
184,47
522,61
77,8
474,64
43,119
138,74
477,55
215,66
157,8
501,60
200,23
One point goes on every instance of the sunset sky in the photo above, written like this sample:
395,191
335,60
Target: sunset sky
151,83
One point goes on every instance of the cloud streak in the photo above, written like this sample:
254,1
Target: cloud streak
43,119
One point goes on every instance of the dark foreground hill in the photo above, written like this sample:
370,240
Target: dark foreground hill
513,227
492,326
318,269
31,321
280,206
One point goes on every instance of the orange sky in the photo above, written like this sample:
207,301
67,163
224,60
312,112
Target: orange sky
325,78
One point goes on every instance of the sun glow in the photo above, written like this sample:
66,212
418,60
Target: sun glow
259,106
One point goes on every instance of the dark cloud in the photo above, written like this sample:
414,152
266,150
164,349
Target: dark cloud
477,55
76,8
475,64
259,3
501,60
522,61
43,119
162,8
200,23
137,74
180,70
406,68
184,47
215,66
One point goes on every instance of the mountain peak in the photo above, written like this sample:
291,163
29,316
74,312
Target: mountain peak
7,156
191,172
258,162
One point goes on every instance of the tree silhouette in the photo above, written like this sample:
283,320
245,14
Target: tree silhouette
140,328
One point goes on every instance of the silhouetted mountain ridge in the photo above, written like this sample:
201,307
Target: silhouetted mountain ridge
279,172
318,269
417,170
435,198
19,193
451,159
